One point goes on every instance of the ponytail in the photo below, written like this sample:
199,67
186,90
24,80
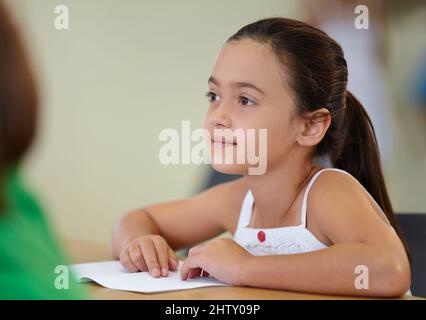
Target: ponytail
360,157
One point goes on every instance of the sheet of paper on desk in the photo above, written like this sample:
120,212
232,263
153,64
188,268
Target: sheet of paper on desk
111,274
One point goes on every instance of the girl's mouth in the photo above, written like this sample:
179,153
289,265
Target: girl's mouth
223,141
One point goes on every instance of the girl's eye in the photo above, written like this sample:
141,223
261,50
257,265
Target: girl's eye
246,101
212,97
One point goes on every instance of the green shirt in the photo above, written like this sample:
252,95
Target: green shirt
29,254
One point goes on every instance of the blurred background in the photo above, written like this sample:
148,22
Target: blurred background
127,69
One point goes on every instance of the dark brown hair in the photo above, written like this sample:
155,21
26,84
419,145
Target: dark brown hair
18,97
318,77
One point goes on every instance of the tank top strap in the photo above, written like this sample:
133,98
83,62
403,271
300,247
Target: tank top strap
305,196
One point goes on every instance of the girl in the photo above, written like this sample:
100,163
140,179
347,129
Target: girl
298,226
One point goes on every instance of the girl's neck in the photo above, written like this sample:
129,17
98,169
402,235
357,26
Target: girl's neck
275,191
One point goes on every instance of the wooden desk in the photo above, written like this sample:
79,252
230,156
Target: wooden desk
85,251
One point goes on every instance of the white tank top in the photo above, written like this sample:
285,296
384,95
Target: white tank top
278,241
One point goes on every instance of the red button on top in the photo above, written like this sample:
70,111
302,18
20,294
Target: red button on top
261,236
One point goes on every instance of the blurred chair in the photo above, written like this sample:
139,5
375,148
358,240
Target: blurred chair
413,227
218,178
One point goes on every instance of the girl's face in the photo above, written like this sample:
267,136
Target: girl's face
248,90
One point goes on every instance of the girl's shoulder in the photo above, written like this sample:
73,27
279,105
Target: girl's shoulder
343,209
331,180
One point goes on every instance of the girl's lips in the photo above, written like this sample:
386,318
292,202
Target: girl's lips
222,141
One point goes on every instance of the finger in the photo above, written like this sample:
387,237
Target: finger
184,271
188,264
162,252
137,259
150,257
127,262
173,260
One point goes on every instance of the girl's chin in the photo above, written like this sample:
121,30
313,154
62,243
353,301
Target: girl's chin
230,168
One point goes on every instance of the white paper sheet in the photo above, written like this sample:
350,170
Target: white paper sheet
111,274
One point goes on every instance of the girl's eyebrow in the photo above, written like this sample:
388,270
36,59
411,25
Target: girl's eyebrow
237,84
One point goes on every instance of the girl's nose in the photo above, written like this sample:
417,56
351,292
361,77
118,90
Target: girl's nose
220,118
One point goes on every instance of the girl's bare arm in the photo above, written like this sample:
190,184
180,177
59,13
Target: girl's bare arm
184,222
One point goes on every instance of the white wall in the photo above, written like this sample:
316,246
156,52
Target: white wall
124,71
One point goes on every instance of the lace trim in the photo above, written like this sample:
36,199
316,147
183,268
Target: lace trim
280,245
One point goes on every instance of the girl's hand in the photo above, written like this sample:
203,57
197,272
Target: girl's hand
221,258
149,253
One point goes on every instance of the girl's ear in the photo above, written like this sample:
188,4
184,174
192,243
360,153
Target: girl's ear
314,127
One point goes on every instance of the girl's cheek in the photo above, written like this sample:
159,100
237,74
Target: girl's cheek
207,121
205,124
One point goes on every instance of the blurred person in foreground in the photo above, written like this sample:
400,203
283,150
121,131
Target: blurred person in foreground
29,253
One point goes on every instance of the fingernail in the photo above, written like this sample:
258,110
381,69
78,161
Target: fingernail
164,272
155,272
